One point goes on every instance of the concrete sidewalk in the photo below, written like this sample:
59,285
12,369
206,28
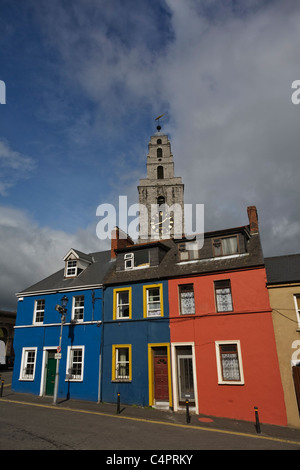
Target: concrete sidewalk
154,415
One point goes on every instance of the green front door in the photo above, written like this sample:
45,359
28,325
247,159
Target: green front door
51,370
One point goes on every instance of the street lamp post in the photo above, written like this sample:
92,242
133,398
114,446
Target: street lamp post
62,310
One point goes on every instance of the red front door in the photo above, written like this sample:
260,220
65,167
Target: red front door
161,388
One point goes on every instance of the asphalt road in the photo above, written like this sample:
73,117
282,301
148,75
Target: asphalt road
27,427
32,426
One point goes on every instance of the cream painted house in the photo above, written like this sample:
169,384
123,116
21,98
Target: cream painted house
283,282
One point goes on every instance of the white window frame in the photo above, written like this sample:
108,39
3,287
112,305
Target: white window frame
221,381
24,364
175,375
151,312
38,311
297,296
75,309
71,268
117,362
128,261
70,355
119,306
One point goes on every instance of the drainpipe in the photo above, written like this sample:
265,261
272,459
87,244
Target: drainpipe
101,350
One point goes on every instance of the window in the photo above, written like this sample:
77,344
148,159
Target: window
159,153
71,268
223,296
75,362
121,362
160,172
189,251
78,308
153,301
225,246
185,373
186,299
122,303
139,259
39,310
229,362
297,304
28,364
128,257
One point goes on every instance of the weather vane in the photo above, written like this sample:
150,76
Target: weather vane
158,127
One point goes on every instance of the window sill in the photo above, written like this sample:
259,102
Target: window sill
215,258
121,381
231,382
134,268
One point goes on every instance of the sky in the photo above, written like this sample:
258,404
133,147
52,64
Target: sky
84,82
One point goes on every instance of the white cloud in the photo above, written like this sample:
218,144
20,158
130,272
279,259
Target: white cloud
235,133
225,71
29,253
13,166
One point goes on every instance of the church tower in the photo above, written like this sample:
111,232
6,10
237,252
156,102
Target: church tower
161,193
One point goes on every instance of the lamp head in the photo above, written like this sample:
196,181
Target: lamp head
64,301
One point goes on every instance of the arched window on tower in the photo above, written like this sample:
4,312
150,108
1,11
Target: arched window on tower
159,153
160,172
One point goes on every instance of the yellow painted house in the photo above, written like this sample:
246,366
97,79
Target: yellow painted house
283,283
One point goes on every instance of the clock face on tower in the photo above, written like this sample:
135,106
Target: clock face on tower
161,223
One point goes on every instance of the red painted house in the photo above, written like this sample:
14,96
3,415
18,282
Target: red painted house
223,351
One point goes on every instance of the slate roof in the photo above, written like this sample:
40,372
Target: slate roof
281,269
91,276
171,267
102,269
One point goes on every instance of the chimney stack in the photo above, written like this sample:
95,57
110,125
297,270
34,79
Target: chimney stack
119,239
253,219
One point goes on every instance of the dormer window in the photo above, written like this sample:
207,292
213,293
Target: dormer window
225,246
137,260
76,262
189,251
71,270
129,260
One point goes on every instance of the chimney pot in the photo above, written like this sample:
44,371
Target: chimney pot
119,239
253,219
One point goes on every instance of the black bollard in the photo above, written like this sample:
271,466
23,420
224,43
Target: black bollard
257,423
187,412
118,404
1,391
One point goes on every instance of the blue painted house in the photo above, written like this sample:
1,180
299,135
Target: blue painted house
38,326
136,333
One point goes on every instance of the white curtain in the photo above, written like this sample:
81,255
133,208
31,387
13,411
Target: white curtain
229,245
